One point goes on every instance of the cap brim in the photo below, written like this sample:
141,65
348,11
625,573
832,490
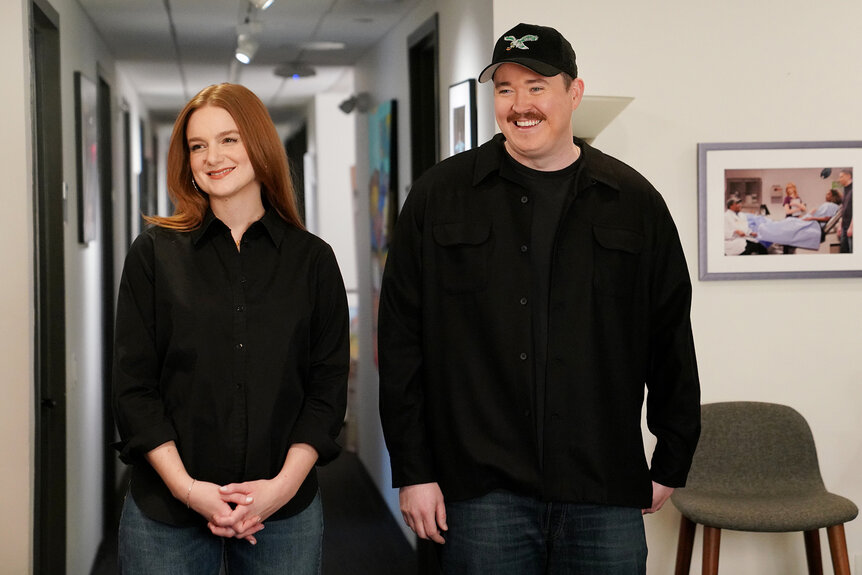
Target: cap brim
534,65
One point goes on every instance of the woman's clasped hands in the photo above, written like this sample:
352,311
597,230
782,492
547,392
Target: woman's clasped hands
238,509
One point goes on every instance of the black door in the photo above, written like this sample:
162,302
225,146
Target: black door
424,99
49,539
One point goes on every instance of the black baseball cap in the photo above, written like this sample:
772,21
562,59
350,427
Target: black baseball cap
540,48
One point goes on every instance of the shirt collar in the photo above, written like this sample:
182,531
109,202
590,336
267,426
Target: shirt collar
271,223
594,164
200,231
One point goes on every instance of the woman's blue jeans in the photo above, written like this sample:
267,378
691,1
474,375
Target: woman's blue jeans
147,547
502,533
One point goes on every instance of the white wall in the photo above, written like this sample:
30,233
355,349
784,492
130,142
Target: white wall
332,141
16,294
737,71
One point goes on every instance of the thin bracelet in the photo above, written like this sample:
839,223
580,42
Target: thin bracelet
189,494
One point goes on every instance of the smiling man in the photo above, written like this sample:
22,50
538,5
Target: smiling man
535,288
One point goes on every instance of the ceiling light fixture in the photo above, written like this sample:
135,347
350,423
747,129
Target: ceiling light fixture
246,46
261,4
323,46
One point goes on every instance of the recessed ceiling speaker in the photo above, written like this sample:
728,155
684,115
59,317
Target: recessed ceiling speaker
294,70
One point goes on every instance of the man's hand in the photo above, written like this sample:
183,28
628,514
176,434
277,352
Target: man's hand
660,494
424,511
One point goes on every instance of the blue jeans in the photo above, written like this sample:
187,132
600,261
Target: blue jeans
503,533
147,547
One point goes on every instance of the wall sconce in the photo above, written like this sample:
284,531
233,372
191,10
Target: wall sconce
360,102
246,46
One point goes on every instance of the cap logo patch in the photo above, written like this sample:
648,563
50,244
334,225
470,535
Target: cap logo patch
519,42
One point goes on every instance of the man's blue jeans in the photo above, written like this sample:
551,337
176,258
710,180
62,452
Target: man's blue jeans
502,533
287,546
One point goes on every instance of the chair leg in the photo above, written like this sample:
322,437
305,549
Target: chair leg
711,544
684,546
812,552
838,549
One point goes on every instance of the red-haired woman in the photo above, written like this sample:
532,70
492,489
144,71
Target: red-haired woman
231,357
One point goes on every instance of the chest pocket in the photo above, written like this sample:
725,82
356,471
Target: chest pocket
615,260
463,250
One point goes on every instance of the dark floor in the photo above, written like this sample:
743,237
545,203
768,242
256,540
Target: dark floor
360,536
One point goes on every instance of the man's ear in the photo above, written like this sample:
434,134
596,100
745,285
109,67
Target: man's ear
577,92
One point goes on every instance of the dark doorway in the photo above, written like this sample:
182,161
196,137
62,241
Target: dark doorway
296,147
110,506
146,197
49,537
127,174
424,115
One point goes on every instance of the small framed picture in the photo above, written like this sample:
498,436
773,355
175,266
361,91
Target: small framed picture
776,210
462,116
87,155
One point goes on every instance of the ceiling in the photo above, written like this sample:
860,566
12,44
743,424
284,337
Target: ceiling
170,49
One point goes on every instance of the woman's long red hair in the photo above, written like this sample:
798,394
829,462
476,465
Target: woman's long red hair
258,134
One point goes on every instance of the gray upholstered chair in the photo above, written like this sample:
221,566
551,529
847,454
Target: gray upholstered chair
755,469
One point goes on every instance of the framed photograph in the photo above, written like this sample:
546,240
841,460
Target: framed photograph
775,210
87,153
462,116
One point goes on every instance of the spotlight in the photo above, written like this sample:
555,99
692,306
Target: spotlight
347,105
360,102
261,4
246,46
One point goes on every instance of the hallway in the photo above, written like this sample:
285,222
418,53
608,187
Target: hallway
361,537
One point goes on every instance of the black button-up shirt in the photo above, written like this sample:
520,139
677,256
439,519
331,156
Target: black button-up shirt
456,376
233,354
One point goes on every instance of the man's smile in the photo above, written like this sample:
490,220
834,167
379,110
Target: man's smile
527,123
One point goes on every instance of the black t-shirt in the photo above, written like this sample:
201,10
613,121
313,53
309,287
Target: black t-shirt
548,193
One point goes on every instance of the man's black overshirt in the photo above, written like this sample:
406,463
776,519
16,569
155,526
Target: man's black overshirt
234,355
455,338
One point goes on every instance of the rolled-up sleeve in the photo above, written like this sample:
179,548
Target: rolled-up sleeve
322,414
138,406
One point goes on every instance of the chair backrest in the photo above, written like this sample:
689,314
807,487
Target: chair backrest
752,447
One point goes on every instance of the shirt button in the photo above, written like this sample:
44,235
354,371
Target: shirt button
523,356
240,346
524,199
523,301
242,279
238,386
524,249
526,413
240,308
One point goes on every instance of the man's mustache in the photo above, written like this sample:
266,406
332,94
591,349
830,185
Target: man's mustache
527,116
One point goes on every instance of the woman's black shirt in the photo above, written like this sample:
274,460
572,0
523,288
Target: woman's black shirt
233,354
